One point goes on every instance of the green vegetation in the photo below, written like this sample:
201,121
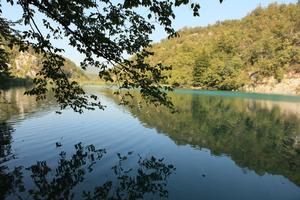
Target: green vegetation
231,54
103,32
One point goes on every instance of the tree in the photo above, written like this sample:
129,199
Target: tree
103,31
201,65
4,58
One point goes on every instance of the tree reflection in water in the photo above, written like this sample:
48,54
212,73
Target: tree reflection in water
8,181
242,129
70,177
5,141
149,177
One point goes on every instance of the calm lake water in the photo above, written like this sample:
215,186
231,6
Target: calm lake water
220,145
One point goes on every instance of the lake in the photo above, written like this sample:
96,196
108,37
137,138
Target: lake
219,145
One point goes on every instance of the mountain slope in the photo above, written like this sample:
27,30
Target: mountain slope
28,64
235,54
23,66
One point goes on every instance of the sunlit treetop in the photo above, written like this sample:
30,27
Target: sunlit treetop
104,32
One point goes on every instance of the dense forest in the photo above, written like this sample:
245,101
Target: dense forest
232,54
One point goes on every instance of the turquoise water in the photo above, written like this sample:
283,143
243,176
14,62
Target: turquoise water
220,145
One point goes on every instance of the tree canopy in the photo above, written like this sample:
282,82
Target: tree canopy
234,53
104,32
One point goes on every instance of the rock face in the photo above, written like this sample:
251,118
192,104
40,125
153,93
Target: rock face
28,64
25,65
289,85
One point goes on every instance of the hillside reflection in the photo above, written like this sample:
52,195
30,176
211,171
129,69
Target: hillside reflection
148,177
257,135
13,103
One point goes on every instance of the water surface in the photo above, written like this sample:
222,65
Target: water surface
218,146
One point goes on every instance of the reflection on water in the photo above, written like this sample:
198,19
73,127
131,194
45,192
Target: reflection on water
223,147
258,135
13,103
5,141
148,177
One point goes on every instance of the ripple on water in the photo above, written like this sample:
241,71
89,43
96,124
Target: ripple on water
214,171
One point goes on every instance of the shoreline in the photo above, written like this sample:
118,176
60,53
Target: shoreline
289,85
240,91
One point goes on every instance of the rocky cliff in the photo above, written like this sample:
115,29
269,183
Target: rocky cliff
28,64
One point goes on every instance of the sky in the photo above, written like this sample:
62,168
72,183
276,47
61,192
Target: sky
211,11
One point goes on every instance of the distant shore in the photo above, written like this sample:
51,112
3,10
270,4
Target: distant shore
289,85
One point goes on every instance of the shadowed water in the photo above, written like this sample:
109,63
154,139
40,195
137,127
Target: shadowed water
217,146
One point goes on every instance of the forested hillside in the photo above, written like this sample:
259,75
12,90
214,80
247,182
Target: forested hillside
234,54
24,66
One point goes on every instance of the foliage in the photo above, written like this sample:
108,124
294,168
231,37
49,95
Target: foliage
4,57
201,66
103,31
225,55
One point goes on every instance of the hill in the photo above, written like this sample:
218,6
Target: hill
262,48
24,66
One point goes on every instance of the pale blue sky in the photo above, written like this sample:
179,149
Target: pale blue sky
211,12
